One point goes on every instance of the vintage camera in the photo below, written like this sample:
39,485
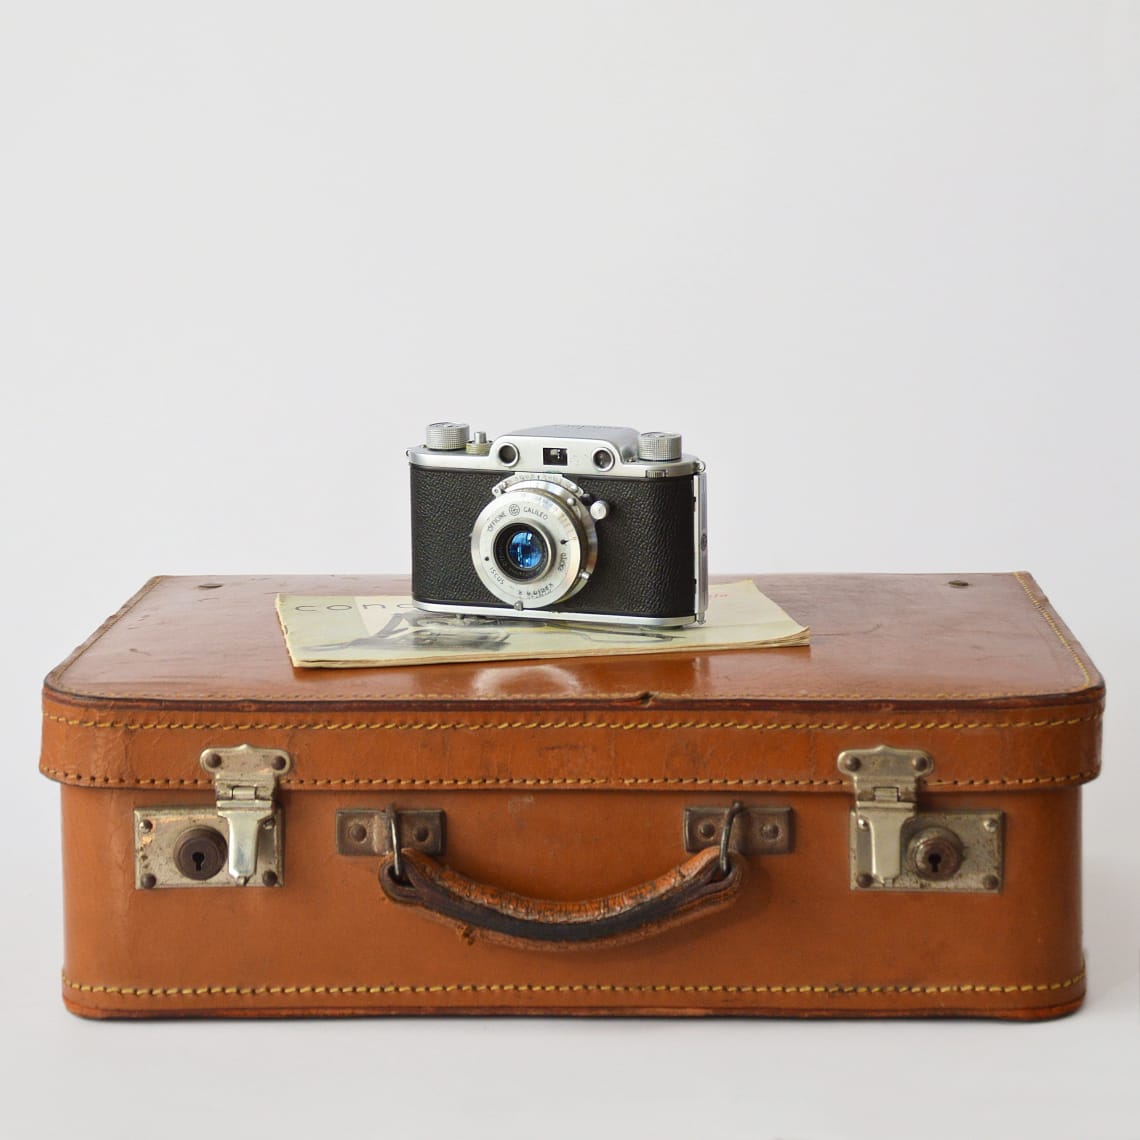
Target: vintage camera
574,523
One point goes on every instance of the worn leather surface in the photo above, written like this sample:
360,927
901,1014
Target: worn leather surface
567,780
797,940
986,675
891,639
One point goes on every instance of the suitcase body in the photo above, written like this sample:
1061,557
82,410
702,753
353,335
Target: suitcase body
886,822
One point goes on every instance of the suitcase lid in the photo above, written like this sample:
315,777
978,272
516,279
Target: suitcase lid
905,659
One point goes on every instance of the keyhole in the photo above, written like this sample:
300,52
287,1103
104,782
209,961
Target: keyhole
935,854
200,853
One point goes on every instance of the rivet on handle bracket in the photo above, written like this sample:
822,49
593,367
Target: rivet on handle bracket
370,832
758,830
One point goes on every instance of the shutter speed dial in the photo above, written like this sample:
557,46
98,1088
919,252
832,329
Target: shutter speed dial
447,436
659,446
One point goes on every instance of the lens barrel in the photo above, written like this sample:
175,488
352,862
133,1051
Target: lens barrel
535,543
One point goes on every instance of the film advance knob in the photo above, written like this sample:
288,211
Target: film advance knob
447,436
659,446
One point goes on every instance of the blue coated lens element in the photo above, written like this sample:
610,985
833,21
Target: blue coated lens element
522,551
525,550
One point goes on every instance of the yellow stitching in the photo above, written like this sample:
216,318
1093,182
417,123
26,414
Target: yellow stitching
1039,606
624,726
649,781
1068,777
578,987
117,781
554,781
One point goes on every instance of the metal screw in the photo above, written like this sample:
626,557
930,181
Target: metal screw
279,763
420,835
148,882
707,829
864,880
990,825
146,825
852,763
770,831
990,882
213,760
919,763
269,878
358,833
863,823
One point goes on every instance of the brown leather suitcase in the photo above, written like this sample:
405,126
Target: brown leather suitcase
886,822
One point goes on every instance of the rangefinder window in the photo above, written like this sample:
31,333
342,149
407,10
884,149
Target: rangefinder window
554,456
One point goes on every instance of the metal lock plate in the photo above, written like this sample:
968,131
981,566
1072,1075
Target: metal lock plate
238,842
159,831
895,847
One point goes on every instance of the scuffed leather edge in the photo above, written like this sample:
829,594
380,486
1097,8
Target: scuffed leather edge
134,780
90,1000
1091,686
1089,672
53,682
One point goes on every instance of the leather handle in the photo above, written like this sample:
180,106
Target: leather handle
694,889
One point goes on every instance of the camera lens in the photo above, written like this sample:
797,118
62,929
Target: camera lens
521,551
534,544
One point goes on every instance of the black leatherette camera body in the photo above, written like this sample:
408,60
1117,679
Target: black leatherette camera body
646,544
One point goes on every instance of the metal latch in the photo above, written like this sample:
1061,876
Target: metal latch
245,781
237,843
896,847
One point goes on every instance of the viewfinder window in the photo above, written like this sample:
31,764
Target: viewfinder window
554,456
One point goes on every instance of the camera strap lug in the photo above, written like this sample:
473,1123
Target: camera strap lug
701,542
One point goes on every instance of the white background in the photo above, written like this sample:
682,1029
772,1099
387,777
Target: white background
878,262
